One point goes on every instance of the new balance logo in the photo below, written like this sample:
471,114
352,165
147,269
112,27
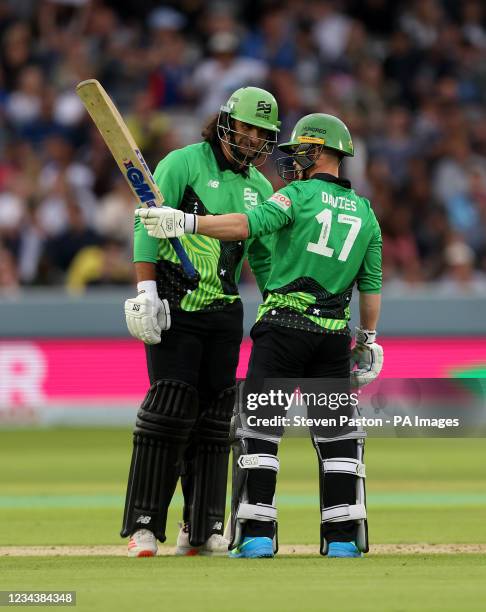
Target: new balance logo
144,520
213,184
218,525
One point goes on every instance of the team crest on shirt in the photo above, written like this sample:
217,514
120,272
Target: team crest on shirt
250,197
281,200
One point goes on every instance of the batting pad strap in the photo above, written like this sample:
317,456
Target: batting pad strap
343,512
259,461
243,433
257,512
344,465
350,435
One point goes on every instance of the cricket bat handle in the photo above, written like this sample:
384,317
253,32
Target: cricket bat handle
186,263
187,266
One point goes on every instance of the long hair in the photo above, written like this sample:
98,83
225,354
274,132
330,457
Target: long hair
210,130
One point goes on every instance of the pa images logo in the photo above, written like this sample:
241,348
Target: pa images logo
250,198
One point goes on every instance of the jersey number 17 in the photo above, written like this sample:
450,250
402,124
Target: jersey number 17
325,219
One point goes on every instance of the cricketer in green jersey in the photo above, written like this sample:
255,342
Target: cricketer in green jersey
183,424
326,239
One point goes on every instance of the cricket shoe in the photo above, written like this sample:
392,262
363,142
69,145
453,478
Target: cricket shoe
343,549
214,545
183,547
253,548
142,543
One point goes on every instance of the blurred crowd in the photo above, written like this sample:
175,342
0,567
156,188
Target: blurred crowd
408,77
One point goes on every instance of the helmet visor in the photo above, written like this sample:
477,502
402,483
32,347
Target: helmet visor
292,167
244,148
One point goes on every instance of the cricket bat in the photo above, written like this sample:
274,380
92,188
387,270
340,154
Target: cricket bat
127,155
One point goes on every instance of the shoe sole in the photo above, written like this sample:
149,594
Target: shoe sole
187,552
141,553
253,556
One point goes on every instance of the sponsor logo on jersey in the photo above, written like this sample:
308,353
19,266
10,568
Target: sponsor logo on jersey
139,184
250,197
281,200
213,184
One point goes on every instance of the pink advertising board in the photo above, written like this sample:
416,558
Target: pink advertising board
96,376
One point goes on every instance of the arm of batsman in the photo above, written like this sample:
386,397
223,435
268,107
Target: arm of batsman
167,222
366,357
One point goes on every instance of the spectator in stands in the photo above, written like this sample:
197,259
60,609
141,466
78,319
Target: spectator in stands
451,171
169,58
467,209
400,255
215,78
273,41
24,102
397,147
107,264
61,249
9,282
460,275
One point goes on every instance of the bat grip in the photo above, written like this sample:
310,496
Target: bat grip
183,258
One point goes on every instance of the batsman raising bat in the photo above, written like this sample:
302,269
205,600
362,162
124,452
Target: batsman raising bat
326,238
183,423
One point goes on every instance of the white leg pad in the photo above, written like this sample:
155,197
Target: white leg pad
344,465
241,510
256,512
343,512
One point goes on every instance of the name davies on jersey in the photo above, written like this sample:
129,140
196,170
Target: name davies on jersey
338,201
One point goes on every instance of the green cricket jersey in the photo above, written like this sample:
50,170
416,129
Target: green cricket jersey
326,239
199,179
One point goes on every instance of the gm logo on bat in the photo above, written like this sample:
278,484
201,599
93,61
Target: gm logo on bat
139,184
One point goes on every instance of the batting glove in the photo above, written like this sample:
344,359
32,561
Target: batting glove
166,222
147,315
366,357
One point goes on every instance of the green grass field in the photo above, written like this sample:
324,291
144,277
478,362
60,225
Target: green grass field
66,487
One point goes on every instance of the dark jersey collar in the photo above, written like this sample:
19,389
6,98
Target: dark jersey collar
324,176
223,163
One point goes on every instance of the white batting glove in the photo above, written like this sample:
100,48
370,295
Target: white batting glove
367,357
147,315
166,222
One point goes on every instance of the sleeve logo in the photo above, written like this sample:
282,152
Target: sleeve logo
281,200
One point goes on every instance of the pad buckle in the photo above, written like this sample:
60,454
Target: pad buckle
258,461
